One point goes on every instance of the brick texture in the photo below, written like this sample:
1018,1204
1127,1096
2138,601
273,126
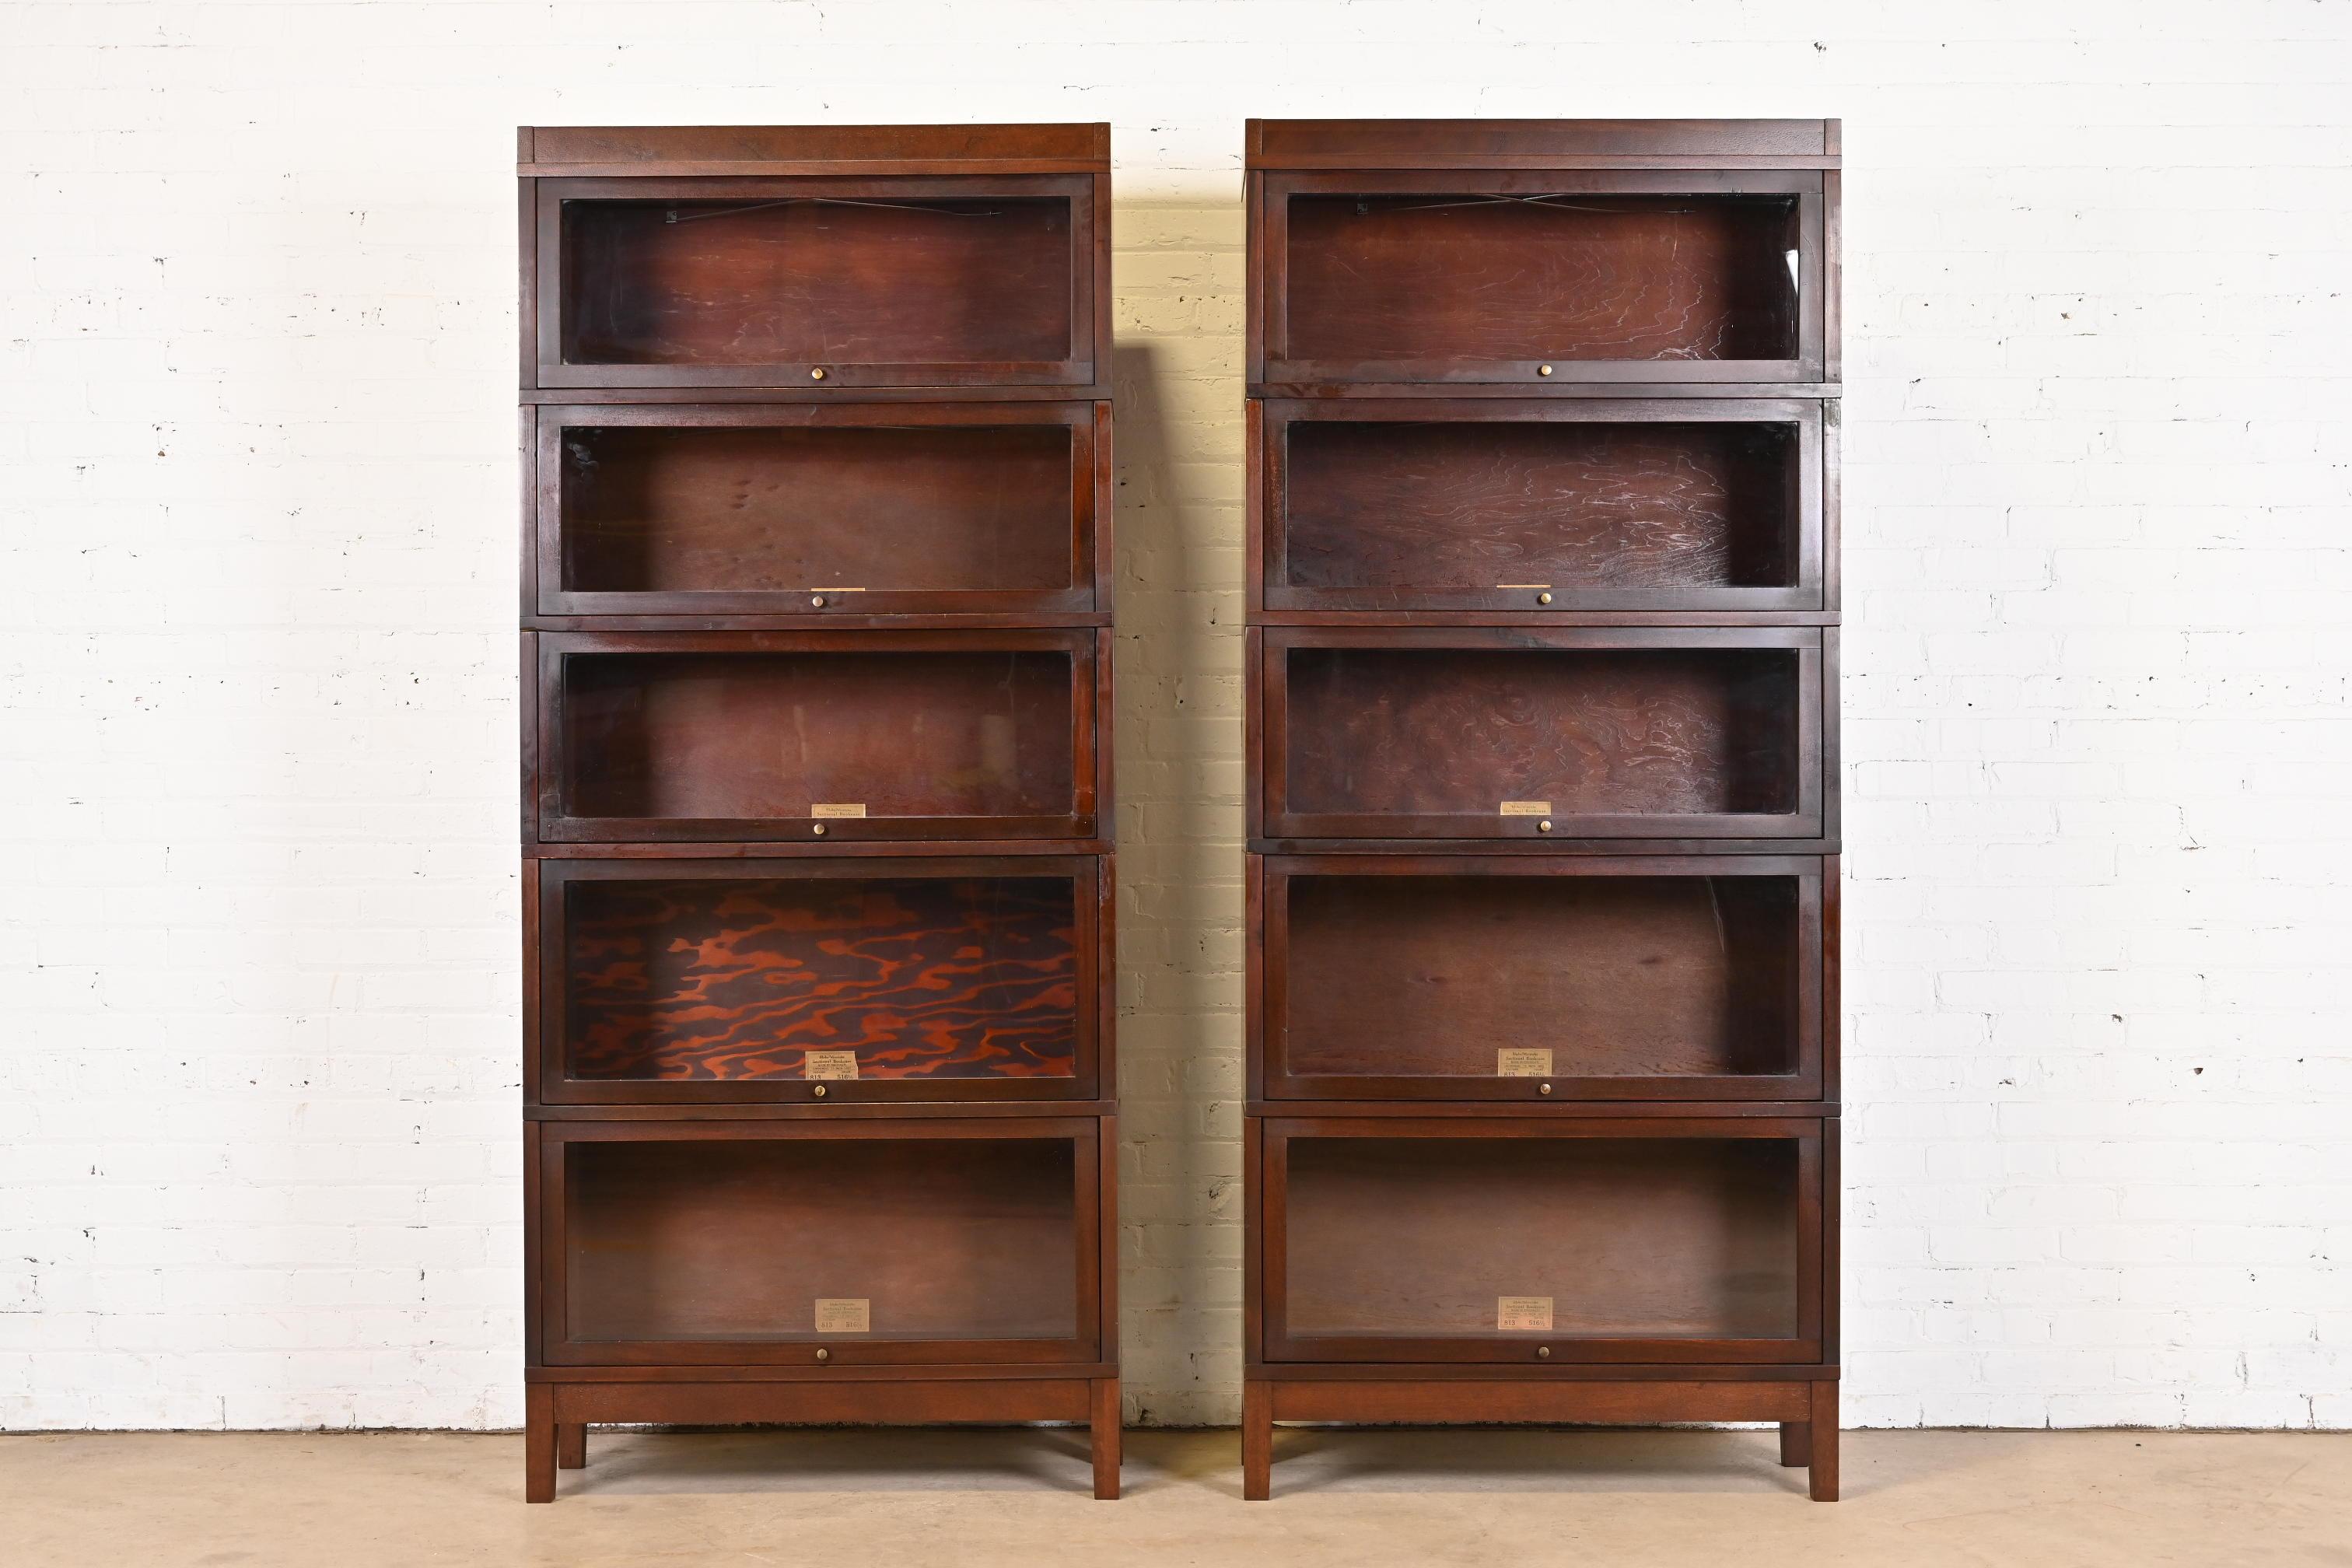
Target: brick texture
258,962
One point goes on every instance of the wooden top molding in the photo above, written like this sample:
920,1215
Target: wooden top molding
1543,144
604,150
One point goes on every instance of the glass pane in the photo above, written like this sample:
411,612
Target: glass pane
1603,976
711,1239
733,980
1469,277
1618,1237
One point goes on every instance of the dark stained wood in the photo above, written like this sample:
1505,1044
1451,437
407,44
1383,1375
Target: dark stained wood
1652,977
679,1244
1474,277
1543,505
1526,506
935,734
734,981
1676,1242
816,517
1622,734
817,278
770,149
799,510
851,282
1351,144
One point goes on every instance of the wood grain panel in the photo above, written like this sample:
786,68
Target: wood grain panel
748,735
1473,505
733,980
740,510
1465,276
795,278
946,1238
1439,731
1429,976
1631,1238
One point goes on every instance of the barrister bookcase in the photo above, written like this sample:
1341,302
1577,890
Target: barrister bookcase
1543,797
818,1077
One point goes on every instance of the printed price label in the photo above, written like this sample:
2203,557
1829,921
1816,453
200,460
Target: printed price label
1527,808
1524,1063
1523,1314
828,1064
856,809
848,1315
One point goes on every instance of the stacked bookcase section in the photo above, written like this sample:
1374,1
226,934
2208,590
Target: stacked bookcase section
1543,1119
817,1085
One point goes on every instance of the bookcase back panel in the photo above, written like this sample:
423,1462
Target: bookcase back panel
1485,513
1453,275
990,276
1491,741
1464,976
940,1238
734,982
719,744
730,513
1622,1238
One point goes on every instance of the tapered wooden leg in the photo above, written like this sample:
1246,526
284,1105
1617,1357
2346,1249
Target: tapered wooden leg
539,1443
572,1447
1796,1443
1105,1428
1257,1441
1823,1448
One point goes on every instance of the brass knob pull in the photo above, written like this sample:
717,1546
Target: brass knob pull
823,1353
818,373
1543,1353
1543,1088
1545,826
1543,599
818,830
816,601
819,1091
1543,369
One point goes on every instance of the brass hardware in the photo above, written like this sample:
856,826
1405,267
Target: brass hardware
818,373
818,1091
823,1353
1543,1353
1545,826
1543,1088
1543,369
816,601
1543,599
818,830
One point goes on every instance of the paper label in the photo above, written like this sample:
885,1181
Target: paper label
848,1315
828,1064
1527,808
1526,1062
1523,1314
856,809
1522,585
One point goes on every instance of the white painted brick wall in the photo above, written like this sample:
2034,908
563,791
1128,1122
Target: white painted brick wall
258,973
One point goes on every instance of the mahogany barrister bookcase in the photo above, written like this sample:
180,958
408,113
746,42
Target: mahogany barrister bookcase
1543,810
817,1084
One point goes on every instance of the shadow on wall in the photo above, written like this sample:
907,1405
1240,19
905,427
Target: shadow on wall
1178,739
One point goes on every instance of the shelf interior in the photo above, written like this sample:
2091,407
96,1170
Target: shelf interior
1468,278
1626,1237
732,509
1415,976
767,735
737,1239
797,279
1457,731
1475,505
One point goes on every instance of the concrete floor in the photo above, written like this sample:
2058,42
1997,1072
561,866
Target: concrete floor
833,1500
